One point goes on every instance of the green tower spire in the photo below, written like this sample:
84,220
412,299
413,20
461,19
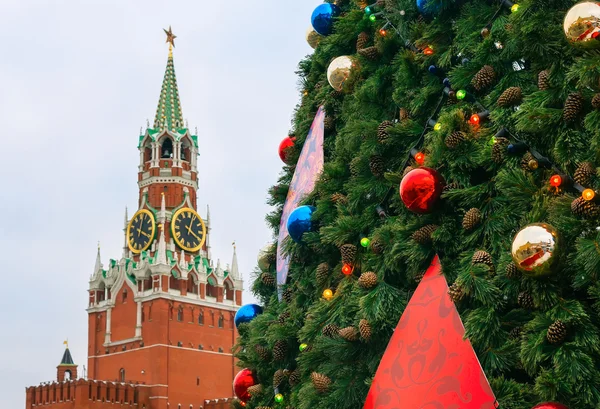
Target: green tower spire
168,113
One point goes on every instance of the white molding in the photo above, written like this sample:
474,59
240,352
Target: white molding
160,345
124,341
208,302
168,179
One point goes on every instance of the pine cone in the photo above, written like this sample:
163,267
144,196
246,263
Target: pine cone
528,162
336,94
264,407
255,389
348,253
484,78
585,208
278,377
284,316
456,293
330,330
419,276
288,295
472,219
365,329
451,186
262,352
268,280
355,166
376,165
424,234
557,332
406,170
367,280
573,107
339,198
511,96
320,382
544,80
455,139
584,173
362,41
512,271
371,53
271,258
404,114
525,300
499,150
516,332
279,350
295,377
482,257
322,273
329,123
382,131
596,101
377,246
349,334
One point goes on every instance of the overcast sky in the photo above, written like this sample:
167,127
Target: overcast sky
78,80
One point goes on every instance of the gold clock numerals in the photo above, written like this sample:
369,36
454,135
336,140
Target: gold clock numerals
140,231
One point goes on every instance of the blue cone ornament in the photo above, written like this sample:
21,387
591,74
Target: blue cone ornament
428,7
246,314
322,18
300,222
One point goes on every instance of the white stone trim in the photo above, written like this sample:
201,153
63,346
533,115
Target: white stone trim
167,179
161,345
208,302
122,342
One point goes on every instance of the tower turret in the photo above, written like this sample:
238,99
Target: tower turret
67,369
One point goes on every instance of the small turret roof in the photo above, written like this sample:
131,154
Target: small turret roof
67,359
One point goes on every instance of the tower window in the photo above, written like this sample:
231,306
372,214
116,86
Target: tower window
198,381
67,375
221,321
166,148
124,295
201,318
220,349
122,375
180,314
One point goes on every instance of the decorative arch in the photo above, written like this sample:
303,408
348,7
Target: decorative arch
68,375
147,150
166,148
122,375
186,149
211,286
192,284
228,289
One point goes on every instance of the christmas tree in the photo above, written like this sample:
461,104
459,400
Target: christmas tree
467,130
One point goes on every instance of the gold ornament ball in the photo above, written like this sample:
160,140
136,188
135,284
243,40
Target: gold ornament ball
312,37
339,71
581,25
535,249
263,260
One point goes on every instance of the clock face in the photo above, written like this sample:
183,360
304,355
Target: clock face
140,231
188,229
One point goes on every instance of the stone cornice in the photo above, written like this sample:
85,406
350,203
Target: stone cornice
167,179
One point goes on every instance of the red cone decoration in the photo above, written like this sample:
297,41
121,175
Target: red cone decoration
550,405
428,363
421,189
287,143
242,381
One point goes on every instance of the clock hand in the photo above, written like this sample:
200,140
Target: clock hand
194,234
143,232
189,228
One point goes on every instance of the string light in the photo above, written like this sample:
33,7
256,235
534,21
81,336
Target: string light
556,180
365,242
279,398
437,126
475,119
420,158
514,8
461,94
382,32
368,10
327,294
302,347
372,17
428,50
588,194
347,269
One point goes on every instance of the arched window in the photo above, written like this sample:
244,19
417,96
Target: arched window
180,314
228,289
171,312
201,318
124,296
150,312
185,151
122,375
166,149
211,287
147,152
221,321
174,283
192,287
67,375
143,314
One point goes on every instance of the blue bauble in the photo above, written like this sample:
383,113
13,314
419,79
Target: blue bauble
322,18
299,222
246,314
428,7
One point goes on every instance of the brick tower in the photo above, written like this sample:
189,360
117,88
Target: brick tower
161,317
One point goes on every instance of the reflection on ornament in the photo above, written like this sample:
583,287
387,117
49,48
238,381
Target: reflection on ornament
322,18
518,65
582,25
535,249
299,222
312,37
246,314
263,258
339,71
327,294
242,381
550,405
421,189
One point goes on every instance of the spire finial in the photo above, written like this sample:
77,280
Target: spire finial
170,39
66,343
168,113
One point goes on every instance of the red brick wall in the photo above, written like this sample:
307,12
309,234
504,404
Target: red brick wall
124,315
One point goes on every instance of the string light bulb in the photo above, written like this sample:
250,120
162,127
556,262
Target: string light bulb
514,8
475,119
279,398
420,158
303,347
382,32
588,194
461,94
556,180
367,10
373,17
327,294
437,126
365,242
347,269
428,50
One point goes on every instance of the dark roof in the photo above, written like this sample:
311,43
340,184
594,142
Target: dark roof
67,359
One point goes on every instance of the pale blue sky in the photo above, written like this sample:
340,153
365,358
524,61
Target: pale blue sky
78,80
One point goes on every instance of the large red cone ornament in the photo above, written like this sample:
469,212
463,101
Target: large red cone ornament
428,364
550,405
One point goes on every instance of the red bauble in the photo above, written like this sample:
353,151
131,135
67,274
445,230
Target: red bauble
242,381
550,405
421,189
287,143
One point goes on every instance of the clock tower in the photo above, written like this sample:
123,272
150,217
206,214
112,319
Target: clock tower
160,317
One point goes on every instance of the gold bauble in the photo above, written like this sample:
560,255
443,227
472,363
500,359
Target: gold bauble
582,25
339,71
312,37
263,259
535,249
